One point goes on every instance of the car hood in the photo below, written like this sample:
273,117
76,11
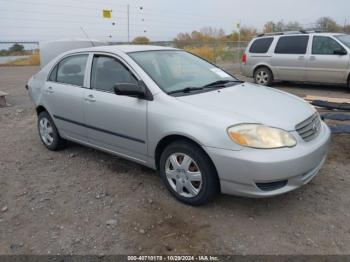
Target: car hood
254,104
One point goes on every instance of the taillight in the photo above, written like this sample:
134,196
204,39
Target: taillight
244,58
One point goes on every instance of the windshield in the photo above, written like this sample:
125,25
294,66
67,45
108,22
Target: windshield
345,39
177,70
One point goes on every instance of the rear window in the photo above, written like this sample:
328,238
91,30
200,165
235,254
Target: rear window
292,45
71,70
261,46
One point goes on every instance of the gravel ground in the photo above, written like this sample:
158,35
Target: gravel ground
81,201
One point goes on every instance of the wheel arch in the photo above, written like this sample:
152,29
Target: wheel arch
263,65
167,140
40,109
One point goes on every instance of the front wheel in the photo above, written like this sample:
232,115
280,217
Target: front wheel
263,76
188,173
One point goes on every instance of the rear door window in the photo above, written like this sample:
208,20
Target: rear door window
292,45
261,46
324,45
71,70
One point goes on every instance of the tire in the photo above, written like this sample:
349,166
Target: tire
263,76
48,132
190,163
349,84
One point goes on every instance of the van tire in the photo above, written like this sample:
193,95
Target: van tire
348,84
263,76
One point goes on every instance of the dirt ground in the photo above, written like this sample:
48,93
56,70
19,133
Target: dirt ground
81,201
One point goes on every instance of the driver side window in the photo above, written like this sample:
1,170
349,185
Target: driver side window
107,71
323,45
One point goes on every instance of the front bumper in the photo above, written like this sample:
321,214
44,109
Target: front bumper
240,171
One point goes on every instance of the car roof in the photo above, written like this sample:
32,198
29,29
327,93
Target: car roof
123,48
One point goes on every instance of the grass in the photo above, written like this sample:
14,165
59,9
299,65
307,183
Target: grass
32,60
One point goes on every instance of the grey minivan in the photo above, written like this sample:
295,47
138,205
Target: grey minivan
298,56
204,130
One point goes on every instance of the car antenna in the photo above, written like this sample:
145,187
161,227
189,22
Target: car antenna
87,36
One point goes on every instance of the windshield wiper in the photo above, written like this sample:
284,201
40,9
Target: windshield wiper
221,83
186,90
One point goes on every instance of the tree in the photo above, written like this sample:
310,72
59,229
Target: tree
205,35
327,24
347,29
280,26
141,40
16,48
293,26
247,33
269,27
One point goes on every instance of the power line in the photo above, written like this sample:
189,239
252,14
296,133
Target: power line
114,10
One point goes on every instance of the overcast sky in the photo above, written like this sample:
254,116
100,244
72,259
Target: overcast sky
157,19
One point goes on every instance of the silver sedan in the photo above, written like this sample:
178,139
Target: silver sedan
204,130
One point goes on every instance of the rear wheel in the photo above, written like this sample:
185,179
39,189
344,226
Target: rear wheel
188,173
48,132
349,84
263,76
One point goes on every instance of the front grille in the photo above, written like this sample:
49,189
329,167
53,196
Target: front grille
270,186
309,128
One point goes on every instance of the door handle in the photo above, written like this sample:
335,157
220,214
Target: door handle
90,98
50,90
301,58
312,58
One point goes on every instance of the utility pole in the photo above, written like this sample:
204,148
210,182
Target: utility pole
128,15
239,41
344,24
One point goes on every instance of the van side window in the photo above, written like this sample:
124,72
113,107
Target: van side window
53,75
296,45
261,46
323,45
107,71
71,70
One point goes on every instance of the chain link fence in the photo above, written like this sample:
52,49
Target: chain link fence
218,52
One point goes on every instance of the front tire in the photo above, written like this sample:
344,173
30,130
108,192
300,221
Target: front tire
48,132
263,76
188,173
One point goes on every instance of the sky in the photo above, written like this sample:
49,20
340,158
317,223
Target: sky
159,20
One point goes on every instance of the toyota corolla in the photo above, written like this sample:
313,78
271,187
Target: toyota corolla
203,129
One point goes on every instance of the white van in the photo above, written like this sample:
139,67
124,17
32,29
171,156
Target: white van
298,56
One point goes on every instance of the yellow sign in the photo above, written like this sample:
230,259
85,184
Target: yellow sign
107,13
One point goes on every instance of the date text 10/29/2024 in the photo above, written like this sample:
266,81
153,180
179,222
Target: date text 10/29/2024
173,258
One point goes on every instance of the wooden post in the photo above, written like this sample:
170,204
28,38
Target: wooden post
3,99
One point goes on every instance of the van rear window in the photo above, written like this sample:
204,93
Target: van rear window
261,46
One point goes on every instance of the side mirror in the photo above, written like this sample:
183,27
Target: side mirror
340,52
138,90
128,89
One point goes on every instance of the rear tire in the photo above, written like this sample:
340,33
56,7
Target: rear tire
48,132
263,76
349,84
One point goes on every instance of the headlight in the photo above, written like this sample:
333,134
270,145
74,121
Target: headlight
260,136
